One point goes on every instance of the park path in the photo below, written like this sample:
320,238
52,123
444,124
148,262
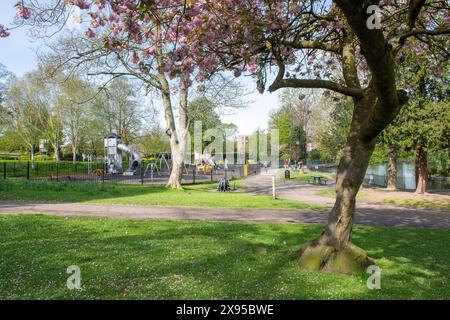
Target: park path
371,213
262,184
388,216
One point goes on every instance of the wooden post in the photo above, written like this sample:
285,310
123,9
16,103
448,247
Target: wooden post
193,176
28,170
4,170
274,191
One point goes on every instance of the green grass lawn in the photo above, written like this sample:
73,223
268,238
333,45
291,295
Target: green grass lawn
201,195
305,177
141,259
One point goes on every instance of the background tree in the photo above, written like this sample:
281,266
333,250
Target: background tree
119,111
332,136
292,118
423,125
154,141
74,94
25,112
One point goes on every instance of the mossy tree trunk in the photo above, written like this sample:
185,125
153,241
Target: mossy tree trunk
392,168
422,171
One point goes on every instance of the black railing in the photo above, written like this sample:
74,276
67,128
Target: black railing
96,171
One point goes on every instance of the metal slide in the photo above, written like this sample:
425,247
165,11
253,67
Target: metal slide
135,156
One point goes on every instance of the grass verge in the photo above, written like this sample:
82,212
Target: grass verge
201,195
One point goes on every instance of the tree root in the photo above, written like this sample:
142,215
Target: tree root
319,257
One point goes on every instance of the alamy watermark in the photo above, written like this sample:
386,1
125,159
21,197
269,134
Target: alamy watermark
375,13
74,280
224,146
374,280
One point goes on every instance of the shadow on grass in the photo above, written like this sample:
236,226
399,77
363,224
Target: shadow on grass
206,260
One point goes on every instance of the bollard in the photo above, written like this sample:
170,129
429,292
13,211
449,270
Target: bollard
57,172
211,175
142,176
28,170
193,176
4,170
274,192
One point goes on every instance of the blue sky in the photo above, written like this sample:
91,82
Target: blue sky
17,53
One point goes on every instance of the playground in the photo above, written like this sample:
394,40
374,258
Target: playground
124,164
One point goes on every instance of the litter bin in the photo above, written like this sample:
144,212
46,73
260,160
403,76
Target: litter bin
287,174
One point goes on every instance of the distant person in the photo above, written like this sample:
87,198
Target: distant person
265,163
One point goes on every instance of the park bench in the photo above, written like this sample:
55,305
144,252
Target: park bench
318,180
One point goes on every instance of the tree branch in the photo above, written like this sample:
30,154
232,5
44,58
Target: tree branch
312,83
309,44
402,38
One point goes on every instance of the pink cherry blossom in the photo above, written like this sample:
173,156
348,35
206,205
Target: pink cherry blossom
22,11
3,31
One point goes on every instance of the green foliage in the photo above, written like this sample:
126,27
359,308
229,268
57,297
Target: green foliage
201,109
379,154
333,137
315,155
291,119
154,141
439,162
424,122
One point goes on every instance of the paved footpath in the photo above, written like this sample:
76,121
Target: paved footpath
388,216
376,214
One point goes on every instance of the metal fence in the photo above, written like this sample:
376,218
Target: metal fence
97,172
403,183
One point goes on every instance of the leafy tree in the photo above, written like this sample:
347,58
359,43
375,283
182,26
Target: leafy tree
423,125
74,96
120,112
333,136
154,141
25,112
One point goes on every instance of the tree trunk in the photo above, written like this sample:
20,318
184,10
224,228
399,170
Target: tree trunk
177,137
421,157
56,149
333,250
57,158
392,168
74,155
32,156
176,174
